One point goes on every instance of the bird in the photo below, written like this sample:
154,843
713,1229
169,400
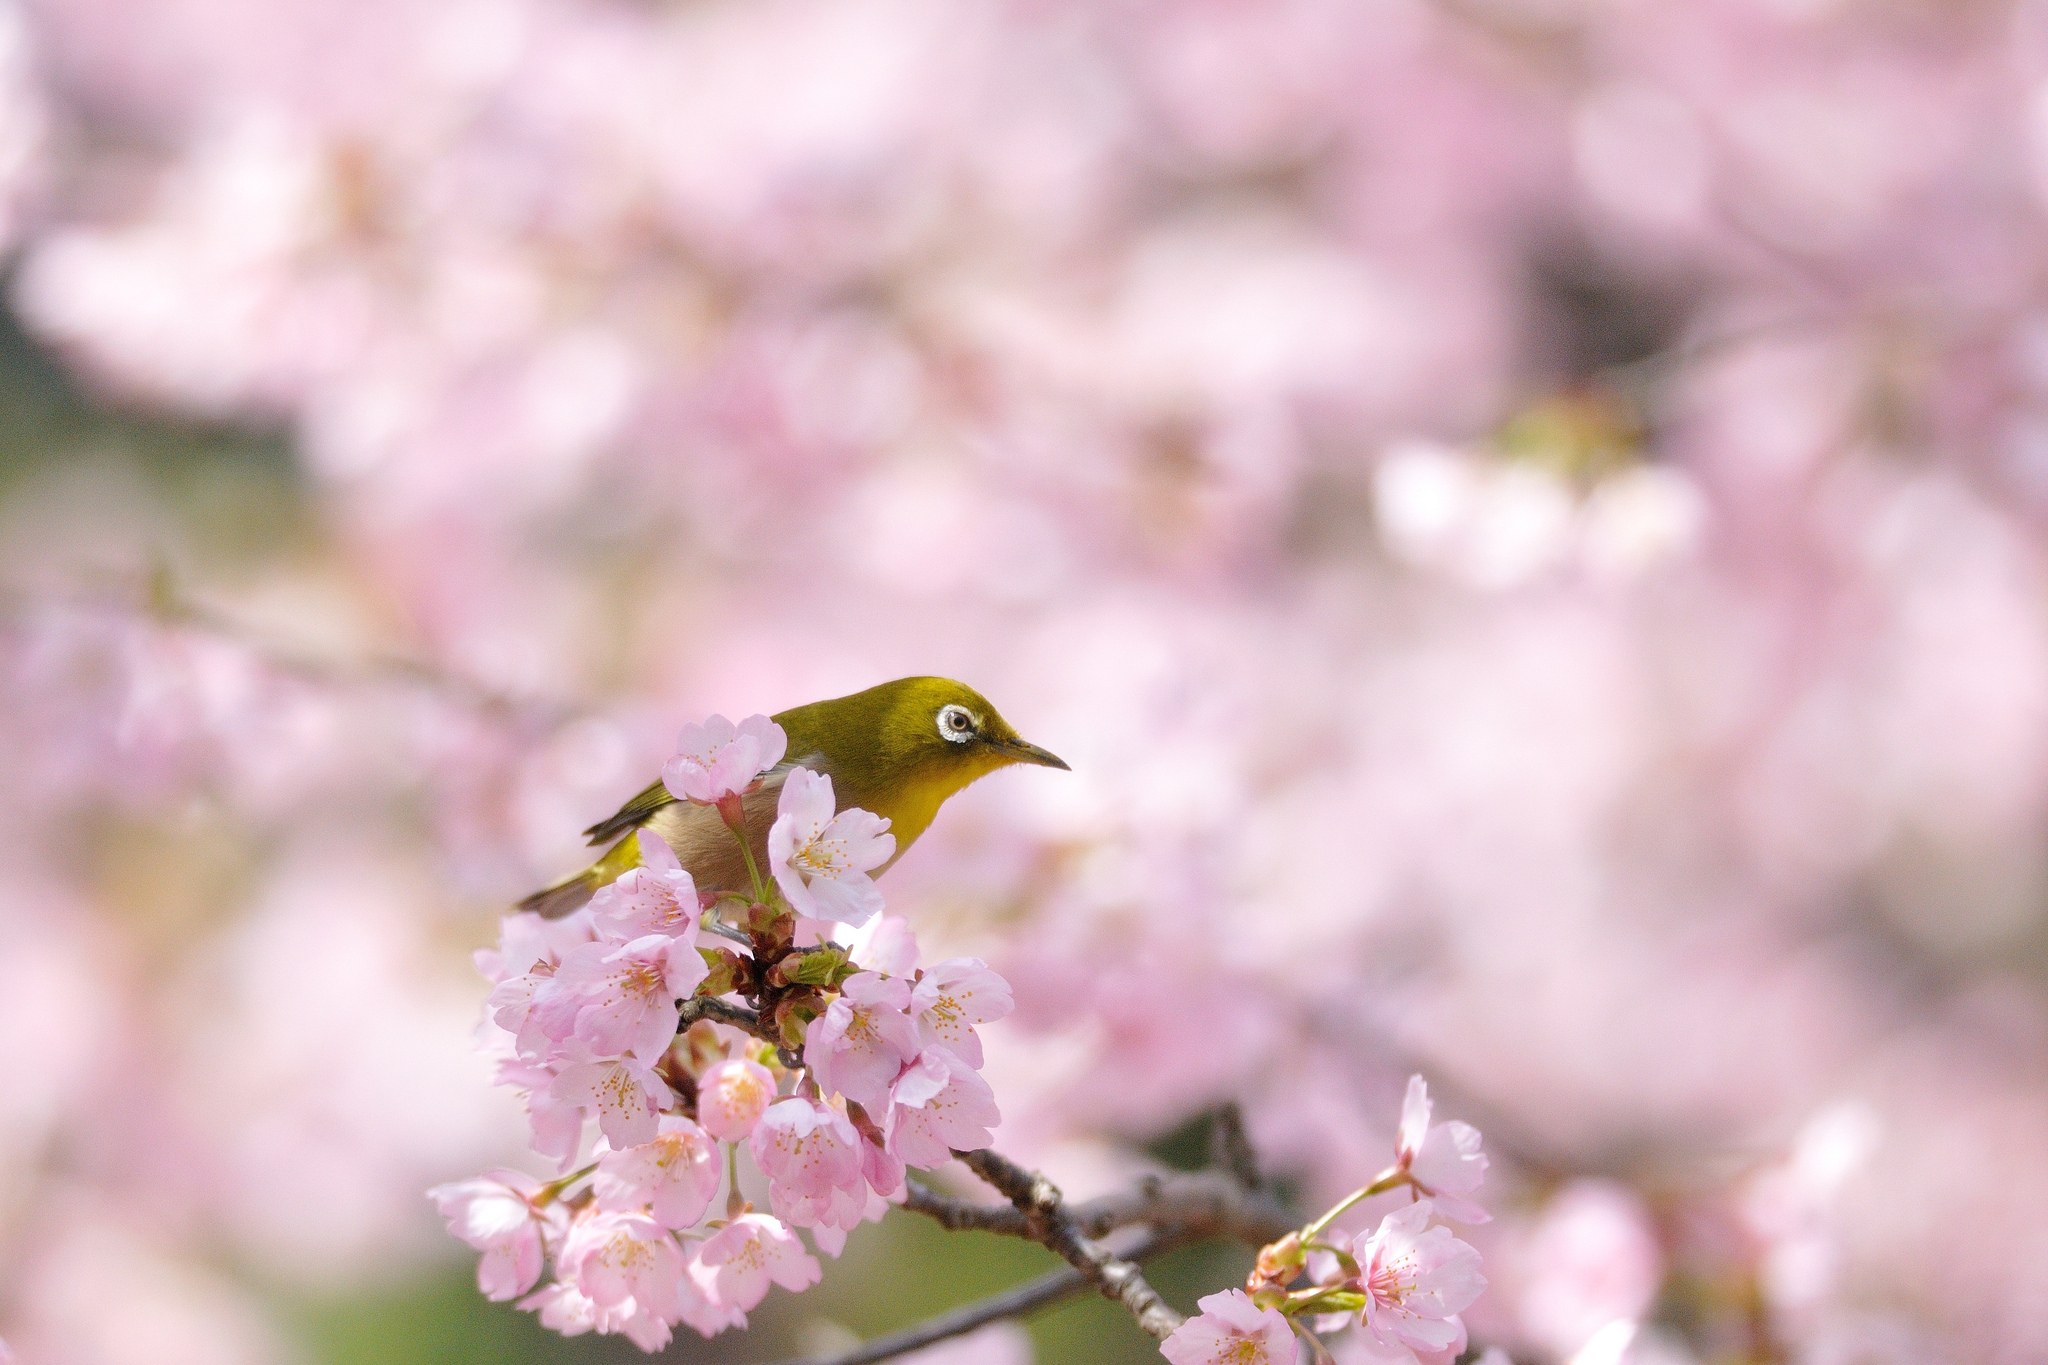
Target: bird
898,749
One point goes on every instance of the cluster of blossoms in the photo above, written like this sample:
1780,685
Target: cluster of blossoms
835,1067
1402,1285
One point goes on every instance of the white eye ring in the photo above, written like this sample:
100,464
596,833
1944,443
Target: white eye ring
957,724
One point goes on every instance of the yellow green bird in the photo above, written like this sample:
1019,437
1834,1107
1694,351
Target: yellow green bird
898,750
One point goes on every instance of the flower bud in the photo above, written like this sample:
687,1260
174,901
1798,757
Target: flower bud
826,966
726,972
1278,1264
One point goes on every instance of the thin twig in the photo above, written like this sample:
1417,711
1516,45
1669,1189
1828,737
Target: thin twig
1048,1222
1208,1203
1047,1289
1231,1149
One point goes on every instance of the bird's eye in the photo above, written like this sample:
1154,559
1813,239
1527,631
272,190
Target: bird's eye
956,724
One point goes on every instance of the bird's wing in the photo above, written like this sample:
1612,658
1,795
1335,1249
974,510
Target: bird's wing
629,816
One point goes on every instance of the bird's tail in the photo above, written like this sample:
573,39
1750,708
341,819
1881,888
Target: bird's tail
575,890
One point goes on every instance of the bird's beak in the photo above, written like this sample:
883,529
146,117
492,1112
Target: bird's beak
1025,752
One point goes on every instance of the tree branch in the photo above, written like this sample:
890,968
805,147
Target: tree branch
1205,1204
1027,1297
725,1012
1048,1221
1231,1149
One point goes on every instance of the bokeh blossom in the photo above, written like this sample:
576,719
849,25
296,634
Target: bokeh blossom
1581,470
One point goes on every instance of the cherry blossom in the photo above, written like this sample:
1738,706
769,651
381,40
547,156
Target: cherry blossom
747,1255
954,996
674,1177
495,1214
939,1105
566,1309
556,1123
731,1097
619,999
1231,1330
716,758
1592,1258
860,1043
885,944
831,1239
1416,1280
1443,1159
821,860
881,1169
811,1155
631,1266
657,897
526,941
624,1091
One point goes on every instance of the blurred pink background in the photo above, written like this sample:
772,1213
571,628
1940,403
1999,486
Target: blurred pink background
1528,518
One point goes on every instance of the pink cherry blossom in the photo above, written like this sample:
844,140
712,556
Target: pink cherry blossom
557,1123
821,860
495,1214
1443,1159
510,1006
939,1105
526,941
811,1155
861,1041
1608,1346
748,1254
731,1097
717,758
566,1309
657,897
1591,1258
1231,1330
619,999
1416,1280
625,1092
881,1169
674,1177
951,998
612,1257
832,1240
885,944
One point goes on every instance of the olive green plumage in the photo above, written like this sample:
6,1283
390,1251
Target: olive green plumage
899,750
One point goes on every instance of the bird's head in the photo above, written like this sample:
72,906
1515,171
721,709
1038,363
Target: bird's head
932,735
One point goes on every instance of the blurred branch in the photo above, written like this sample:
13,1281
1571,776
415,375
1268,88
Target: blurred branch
159,601
1047,1289
1231,1148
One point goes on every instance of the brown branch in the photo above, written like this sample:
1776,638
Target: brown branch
1047,1289
1048,1222
1179,1209
1230,1148
1204,1204
725,1012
